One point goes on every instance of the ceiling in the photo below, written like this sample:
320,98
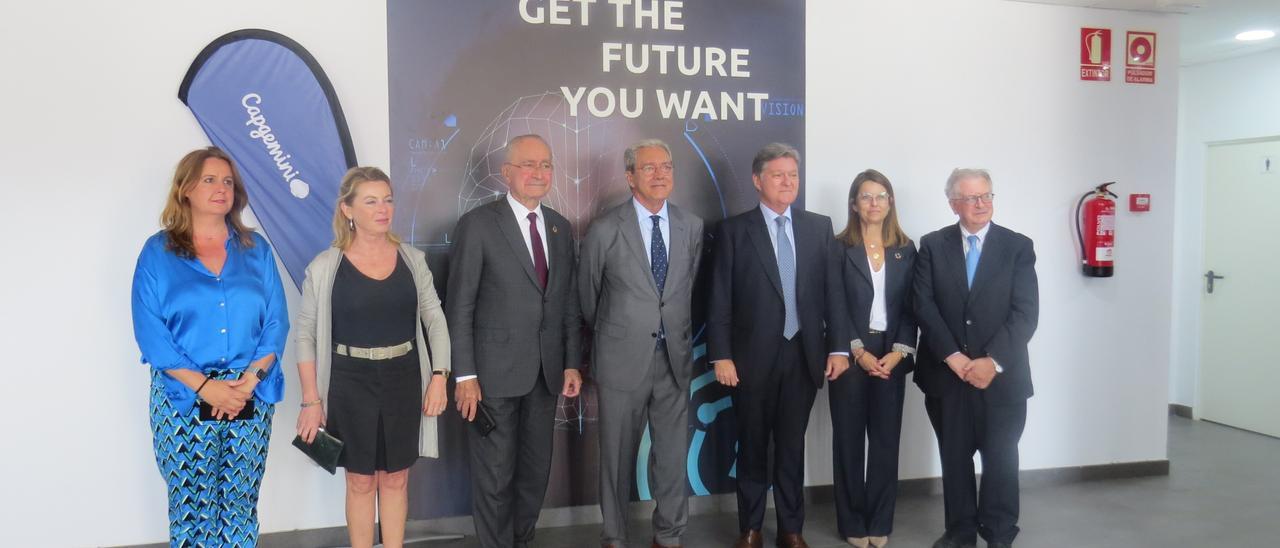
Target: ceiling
1208,27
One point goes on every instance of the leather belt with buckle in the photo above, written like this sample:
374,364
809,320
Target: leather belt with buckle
376,353
874,332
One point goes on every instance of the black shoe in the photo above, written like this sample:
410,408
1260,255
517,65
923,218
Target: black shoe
947,542
999,545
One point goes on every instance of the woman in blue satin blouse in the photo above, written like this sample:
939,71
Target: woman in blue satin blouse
210,319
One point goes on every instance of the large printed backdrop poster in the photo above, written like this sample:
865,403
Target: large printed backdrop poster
715,79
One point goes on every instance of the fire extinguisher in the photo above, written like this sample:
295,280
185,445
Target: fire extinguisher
1098,235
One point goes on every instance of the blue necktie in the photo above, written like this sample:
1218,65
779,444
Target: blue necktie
787,271
658,265
971,259
658,252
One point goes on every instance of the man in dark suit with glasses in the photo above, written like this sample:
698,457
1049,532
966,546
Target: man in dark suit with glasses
977,304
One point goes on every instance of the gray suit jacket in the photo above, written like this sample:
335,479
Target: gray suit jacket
621,302
504,327
313,328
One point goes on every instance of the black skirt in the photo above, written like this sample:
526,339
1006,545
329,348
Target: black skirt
375,408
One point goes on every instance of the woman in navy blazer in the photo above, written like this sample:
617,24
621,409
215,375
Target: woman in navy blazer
876,270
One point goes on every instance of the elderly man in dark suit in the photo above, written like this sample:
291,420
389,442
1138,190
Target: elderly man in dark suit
775,332
514,325
635,279
977,303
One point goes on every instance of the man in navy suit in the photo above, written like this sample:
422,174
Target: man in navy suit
775,332
977,304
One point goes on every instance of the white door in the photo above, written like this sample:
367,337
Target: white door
1240,322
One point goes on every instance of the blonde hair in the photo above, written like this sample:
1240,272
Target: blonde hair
891,232
176,217
343,228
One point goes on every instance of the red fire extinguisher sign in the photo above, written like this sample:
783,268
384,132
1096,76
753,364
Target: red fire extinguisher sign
1095,54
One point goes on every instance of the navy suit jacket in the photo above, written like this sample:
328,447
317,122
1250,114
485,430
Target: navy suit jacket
899,273
995,318
745,310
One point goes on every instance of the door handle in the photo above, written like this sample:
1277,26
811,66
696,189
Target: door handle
1209,277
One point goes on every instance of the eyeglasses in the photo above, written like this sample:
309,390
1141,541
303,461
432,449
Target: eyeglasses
869,198
650,169
532,165
973,200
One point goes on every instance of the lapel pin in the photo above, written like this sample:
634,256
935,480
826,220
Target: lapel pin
897,256
555,229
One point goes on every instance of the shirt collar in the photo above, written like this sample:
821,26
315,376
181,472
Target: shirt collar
770,215
981,233
643,212
522,212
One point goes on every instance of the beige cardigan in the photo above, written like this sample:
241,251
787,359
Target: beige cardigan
313,327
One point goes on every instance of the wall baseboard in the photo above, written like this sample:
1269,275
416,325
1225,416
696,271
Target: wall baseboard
418,530
1180,410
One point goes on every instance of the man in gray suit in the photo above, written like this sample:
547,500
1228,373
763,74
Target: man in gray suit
635,280
515,329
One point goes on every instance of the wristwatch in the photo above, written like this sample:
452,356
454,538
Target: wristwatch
260,373
442,372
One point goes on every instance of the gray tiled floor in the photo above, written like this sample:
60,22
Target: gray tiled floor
1223,491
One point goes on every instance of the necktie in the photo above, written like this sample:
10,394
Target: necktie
658,253
787,272
971,259
539,256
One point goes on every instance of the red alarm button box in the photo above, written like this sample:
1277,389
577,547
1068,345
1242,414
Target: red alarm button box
1139,202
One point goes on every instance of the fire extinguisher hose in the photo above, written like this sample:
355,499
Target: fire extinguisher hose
1084,253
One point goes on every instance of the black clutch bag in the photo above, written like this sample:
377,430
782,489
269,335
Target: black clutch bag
484,423
324,450
206,412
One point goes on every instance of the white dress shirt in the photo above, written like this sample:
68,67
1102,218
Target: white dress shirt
644,216
879,307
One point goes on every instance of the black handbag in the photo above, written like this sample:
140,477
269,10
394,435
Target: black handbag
483,423
324,450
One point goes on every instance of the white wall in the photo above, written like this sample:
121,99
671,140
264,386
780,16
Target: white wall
92,127
914,89
1221,101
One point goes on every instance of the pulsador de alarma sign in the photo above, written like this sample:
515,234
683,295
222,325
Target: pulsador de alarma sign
1140,58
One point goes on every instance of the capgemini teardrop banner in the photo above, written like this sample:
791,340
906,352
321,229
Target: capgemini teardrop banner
263,99
715,79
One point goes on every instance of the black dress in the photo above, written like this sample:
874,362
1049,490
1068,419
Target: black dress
375,406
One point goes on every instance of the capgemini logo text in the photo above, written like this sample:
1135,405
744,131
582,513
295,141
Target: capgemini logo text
262,132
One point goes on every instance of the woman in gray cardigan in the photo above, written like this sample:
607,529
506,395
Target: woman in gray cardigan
362,352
